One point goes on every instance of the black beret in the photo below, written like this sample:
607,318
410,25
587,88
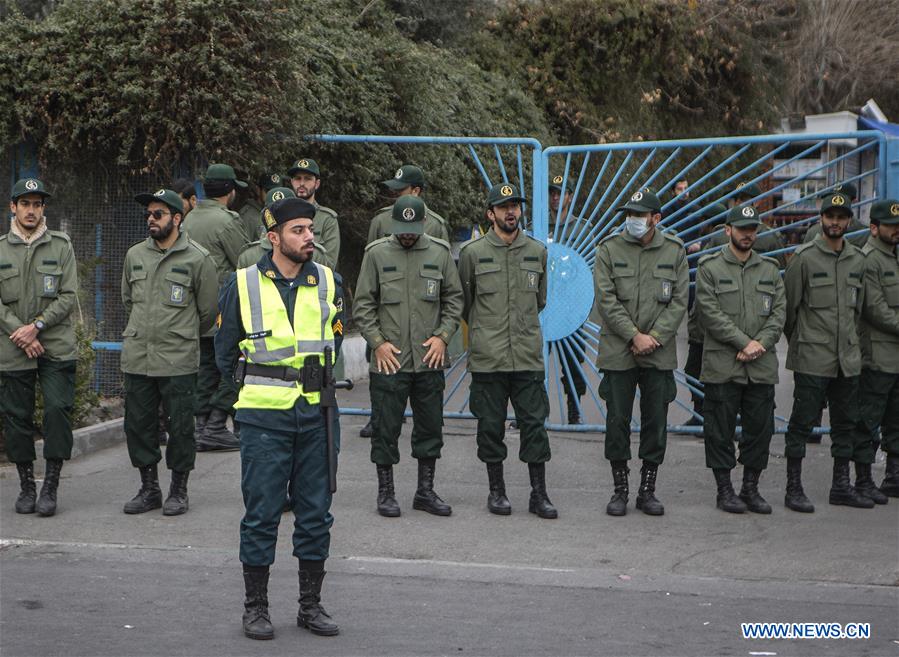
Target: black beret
280,212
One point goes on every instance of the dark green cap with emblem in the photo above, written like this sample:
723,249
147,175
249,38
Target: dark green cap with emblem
407,175
556,184
28,186
167,196
408,216
837,202
744,216
223,172
747,191
503,193
644,200
269,181
885,211
278,194
305,165
847,189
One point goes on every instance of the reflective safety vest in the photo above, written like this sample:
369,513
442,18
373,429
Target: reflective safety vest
270,339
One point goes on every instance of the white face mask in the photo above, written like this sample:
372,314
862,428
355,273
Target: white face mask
636,226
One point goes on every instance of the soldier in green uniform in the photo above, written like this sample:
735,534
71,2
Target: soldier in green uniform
879,328
409,180
251,210
740,298
850,190
408,305
38,287
824,295
170,289
305,178
221,232
503,278
642,284
255,250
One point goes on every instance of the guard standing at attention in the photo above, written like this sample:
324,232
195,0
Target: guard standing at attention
503,278
740,299
879,328
306,180
408,305
642,282
38,288
850,190
409,180
277,319
169,288
220,231
824,283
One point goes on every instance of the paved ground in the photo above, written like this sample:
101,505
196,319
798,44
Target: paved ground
93,581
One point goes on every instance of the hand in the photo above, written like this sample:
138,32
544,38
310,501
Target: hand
386,360
643,344
693,248
435,357
34,349
751,351
24,335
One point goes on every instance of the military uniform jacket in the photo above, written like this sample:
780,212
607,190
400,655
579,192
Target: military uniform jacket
879,327
220,231
435,225
251,217
738,302
170,300
824,297
326,230
255,250
640,289
405,296
504,289
39,280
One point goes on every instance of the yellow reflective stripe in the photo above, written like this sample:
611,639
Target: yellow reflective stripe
253,380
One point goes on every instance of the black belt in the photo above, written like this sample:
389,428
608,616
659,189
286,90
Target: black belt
310,375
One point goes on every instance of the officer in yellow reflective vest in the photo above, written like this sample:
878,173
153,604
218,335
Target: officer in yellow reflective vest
277,318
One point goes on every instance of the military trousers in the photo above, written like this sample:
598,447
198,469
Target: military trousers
878,395
270,460
213,389
572,362
754,402
389,394
489,396
693,368
143,395
847,434
618,389
17,402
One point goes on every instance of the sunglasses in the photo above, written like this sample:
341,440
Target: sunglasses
156,214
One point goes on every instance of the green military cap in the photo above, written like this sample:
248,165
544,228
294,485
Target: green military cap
170,198
743,217
847,189
750,190
287,209
556,184
408,216
407,175
223,172
305,164
885,211
29,186
714,210
278,194
837,201
268,181
503,193
644,200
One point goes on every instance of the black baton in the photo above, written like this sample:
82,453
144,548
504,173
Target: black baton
329,407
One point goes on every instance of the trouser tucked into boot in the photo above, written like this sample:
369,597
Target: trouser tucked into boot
425,497
256,621
311,614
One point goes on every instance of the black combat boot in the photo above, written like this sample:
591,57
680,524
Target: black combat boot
727,499
27,489
842,492
312,615
497,502
749,493
574,415
646,499
46,503
149,496
864,484
366,431
539,502
176,503
387,505
216,437
256,622
890,485
617,506
795,498
425,498
199,427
